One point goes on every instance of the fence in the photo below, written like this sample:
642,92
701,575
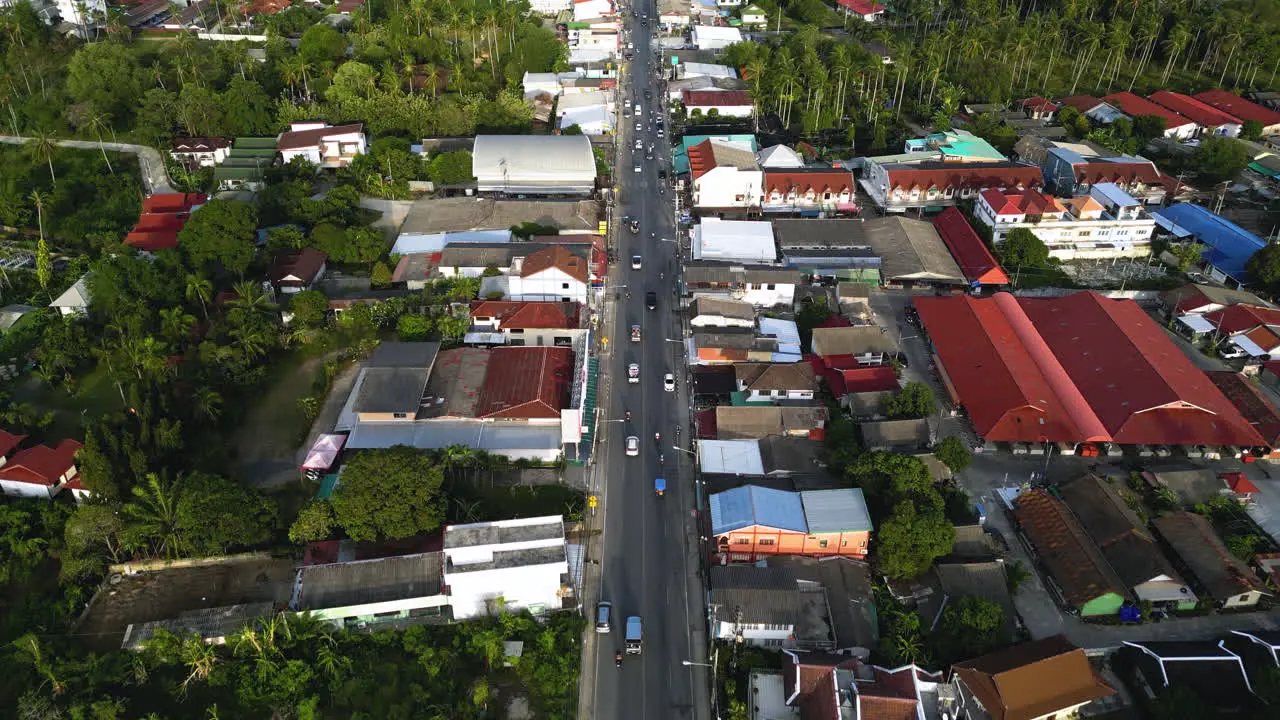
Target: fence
1142,297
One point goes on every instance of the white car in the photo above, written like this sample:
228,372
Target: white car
639,145
637,168
635,262
659,132
633,373
633,446
669,382
637,125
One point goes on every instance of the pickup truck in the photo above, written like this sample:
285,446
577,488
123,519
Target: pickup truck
635,333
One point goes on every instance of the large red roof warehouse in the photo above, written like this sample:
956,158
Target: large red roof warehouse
1081,368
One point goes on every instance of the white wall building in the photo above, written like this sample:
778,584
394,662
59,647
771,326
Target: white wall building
534,164
584,10
1106,223
550,275
516,564
82,13
728,187
321,144
550,7
697,69
761,286
735,241
715,37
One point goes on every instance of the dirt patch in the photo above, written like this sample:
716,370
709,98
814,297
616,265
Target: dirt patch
267,443
164,594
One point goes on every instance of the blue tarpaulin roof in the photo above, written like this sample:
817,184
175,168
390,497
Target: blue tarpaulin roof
752,505
1230,246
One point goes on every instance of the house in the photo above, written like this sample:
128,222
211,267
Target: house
214,625
714,38
775,383
1208,563
1125,543
1103,113
709,311
293,272
768,607
971,254
368,592
1198,299
322,144
752,16
1105,223
1228,246
753,422
863,390
11,315
75,299
853,300
1038,680
200,151
896,435
1238,107
953,146
911,253
1079,576
1253,329
38,470
818,686
1068,172
246,163
1257,407
808,192
865,344
761,286
703,83
721,103
1039,108
897,186
680,161
772,461
739,241
1210,120
750,522
552,274
1176,126
866,9
517,324
688,70
724,177
163,217
508,565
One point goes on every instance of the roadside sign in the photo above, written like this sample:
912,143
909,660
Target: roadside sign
592,501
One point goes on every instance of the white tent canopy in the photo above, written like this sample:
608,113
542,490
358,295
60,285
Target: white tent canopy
323,454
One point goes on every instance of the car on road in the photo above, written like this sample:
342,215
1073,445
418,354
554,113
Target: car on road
659,132
669,382
637,168
647,94
633,446
637,127
651,300
634,224
635,333
633,373
635,262
604,617
639,144
662,174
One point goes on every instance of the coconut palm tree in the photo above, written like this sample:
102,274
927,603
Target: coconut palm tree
153,517
207,403
43,147
199,288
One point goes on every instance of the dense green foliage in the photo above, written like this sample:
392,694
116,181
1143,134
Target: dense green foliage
1022,249
913,529
953,453
913,401
392,493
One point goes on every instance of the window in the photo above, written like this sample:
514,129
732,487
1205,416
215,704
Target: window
516,331
844,543
766,541
742,541
822,543
399,416
770,286
564,286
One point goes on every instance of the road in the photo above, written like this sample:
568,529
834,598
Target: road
154,176
649,552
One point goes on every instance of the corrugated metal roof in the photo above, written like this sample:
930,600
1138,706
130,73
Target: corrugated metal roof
731,457
753,505
830,511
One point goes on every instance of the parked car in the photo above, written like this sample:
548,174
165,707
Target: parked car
604,617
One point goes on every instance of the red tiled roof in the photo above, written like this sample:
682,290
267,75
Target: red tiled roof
705,422
716,98
862,7
526,383
555,257
834,181
971,254
295,139
172,202
1264,338
1039,104
1241,317
41,464
1199,112
163,217
304,264
1027,202
871,379
872,707
1075,369
1239,107
199,144
702,159
1252,404
1100,171
964,175
1135,106
528,315
267,7
1239,483
1083,103
9,441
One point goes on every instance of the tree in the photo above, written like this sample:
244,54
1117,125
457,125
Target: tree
380,276
391,493
315,521
199,288
1022,249
574,129
152,519
912,538
953,453
913,401
453,325
215,514
1251,130
107,76
451,168
412,327
322,43
247,109
309,307
970,626
285,239
222,232
1146,127
1264,265
44,265
1219,158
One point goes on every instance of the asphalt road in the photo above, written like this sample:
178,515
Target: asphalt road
649,556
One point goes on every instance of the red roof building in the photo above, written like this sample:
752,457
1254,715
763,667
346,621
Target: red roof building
39,470
717,99
971,254
1027,202
1081,368
506,315
820,685
295,271
1252,403
163,217
865,8
1039,108
558,258
526,383
869,379
1135,106
1239,107
9,442
937,181
1253,327
1083,103
1197,111
783,184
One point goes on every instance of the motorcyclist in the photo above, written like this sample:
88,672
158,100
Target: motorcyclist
617,658
657,437
628,414
661,458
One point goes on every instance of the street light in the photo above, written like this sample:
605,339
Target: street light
683,450
688,663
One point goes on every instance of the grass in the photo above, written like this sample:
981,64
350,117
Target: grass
95,395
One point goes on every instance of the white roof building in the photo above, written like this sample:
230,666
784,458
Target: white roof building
730,457
517,564
735,241
715,37
779,156
591,9
697,69
75,301
534,164
592,120
411,243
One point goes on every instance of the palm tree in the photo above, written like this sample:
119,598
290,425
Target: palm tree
199,659
175,324
199,288
43,147
249,297
207,403
44,267
153,515
98,121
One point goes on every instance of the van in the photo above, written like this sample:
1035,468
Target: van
604,617
634,635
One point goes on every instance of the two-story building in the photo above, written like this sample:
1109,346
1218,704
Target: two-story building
744,241
38,470
525,323
1210,120
200,151
750,522
322,144
724,177
1105,223
808,192
1039,680
508,564
1067,172
552,274
761,286
898,187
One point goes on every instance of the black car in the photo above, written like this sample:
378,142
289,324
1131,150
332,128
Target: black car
651,300
662,174
647,94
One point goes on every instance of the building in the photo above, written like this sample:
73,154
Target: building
1039,108
534,165
1125,544
508,565
1038,680
697,69
724,177
1254,330
714,38
718,103
864,344
12,315
200,151
749,522
1211,120
368,592
828,247
779,157
1091,107
551,274
953,146
775,382
818,686
911,253
680,161
38,471
734,241
897,187
1238,107
163,217
903,436
755,422
866,9
761,286
293,272
1208,563
1176,126
1106,223
214,626
1228,246
246,163
518,324
1076,369
1253,403
810,193
1198,299
1207,670
709,311
1068,172
971,254
75,299
321,144
768,607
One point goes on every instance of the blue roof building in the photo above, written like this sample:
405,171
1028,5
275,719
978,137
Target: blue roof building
749,505
1228,246
753,520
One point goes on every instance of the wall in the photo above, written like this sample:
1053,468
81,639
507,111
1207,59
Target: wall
522,587
759,541
758,637
367,612
27,490
541,337
548,286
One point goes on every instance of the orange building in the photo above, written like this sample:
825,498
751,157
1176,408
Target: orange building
750,522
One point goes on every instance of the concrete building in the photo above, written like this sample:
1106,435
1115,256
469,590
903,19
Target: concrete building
553,274
1069,172
810,193
518,324
366,593
322,144
200,151
761,286
511,564
1228,246
714,38
724,176
734,241
1210,120
1105,223
749,522
899,186
534,165
768,607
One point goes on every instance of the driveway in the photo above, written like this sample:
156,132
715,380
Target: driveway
154,176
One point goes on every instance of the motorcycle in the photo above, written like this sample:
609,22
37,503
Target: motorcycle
628,415
657,437
617,659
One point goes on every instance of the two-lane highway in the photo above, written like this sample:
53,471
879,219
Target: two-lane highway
649,551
